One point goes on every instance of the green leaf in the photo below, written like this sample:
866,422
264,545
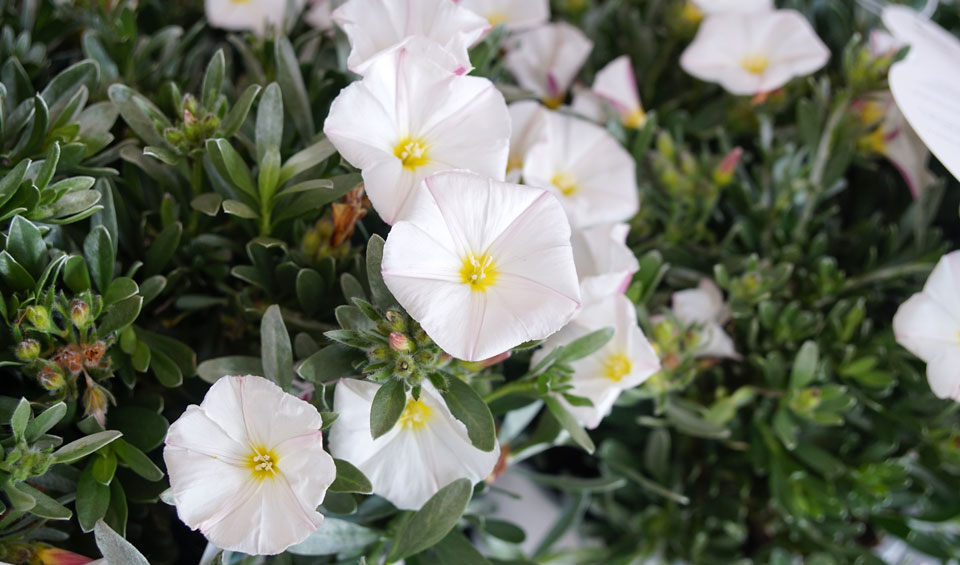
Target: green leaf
45,506
19,499
232,123
585,346
116,516
163,248
350,479
213,80
25,243
115,549
45,421
49,168
804,369
569,423
120,315
269,175
239,209
577,484
20,419
93,498
10,182
165,369
137,460
208,203
120,288
275,348
388,405
269,129
231,165
467,406
100,256
78,449
456,548
433,521
103,466
75,274
306,159
14,274
310,290
214,369
291,84
336,536
330,363
378,289
139,113
141,427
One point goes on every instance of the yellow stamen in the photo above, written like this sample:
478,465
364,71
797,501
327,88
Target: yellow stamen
872,112
497,18
873,142
415,415
478,272
691,13
262,463
755,64
635,119
553,102
565,183
412,152
616,367
514,164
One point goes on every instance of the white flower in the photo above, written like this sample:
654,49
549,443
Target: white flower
926,85
409,118
249,480
426,450
376,26
928,325
526,130
624,362
893,138
616,85
704,308
734,6
482,265
605,264
248,15
754,53
547,59
320,14
587,167
515,15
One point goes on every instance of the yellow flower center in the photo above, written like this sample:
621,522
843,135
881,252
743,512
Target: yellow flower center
514,164
635,119
872,112
616,367
412,152
565,183
415,415
478,272
262,463
691,13
755,64
240,1
553,102
497,18
874,142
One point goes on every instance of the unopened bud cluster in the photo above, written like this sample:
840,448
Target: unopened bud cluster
58,345
408,354
194,126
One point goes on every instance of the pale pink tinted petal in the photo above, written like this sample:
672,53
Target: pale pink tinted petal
700,305
307,468
943,283
603,260
513,14
547,59
527,129
617,84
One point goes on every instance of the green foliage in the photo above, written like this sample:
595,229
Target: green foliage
166,197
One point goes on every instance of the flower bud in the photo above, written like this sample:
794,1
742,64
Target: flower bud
379,353
173,136
56,556
723,174
79,313
28,350
399,342
95,402
39,317
69,358
396,321
688,163
666,146
51,379
404,366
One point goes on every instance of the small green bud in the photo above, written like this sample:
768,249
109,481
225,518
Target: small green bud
51,378
79,313
28,350
396,321
666,146
404,366
39,317
379,353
